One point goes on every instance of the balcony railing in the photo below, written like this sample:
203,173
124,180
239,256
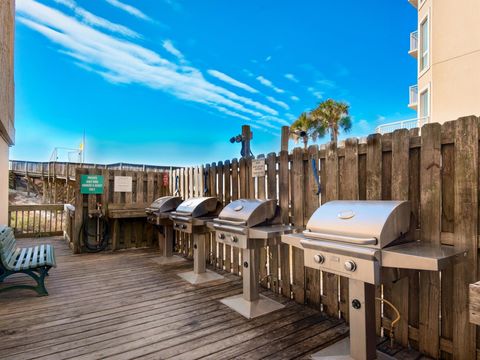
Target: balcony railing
403,124
413,44
413,97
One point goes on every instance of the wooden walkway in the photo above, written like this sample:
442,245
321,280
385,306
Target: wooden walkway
124,305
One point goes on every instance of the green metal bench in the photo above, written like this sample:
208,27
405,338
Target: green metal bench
34,261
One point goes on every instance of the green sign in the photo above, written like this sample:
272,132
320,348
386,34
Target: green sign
91,184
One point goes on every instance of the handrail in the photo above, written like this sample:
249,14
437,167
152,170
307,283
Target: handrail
36,220
413,41
403,124
413,95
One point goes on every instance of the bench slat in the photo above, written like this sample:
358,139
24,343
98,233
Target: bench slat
35,256
20,258
41,260
26,261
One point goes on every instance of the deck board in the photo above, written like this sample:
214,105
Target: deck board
124,305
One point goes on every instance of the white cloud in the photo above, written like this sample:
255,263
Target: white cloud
291,77
168,46
275,119
277,102
269,84
248,72
122,61
129,9
327,83
97,21
290,117
229,80
364,125
294,98
68,3
232,113
268,58
318,94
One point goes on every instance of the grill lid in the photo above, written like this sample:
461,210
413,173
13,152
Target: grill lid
199,206
248,212
367,223
164,204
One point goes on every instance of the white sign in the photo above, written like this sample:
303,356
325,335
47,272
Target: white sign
258,168
122,184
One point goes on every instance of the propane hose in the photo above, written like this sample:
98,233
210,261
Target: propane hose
395,321
103,238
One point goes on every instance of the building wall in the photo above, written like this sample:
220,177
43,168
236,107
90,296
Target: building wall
3,182
454,72
7,130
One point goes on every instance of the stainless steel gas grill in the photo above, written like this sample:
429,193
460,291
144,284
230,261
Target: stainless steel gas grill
355,239
250,225
191,217
158,214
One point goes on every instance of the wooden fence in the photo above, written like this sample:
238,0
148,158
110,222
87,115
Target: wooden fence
36,220
127,230
437,172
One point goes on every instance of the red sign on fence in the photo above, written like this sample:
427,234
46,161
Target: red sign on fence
165,179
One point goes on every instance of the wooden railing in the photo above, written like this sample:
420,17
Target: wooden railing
67,169
36,220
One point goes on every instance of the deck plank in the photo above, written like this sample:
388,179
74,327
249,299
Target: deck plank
124,305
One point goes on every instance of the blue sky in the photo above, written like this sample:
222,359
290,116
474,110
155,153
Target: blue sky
170,81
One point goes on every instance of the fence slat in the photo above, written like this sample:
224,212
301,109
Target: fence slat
431,217
284,206
330,281
466,230
312,276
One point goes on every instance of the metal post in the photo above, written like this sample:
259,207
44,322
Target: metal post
363,337
199,265
251,265
165,241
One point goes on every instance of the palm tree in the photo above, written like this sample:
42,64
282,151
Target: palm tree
304,128
331,116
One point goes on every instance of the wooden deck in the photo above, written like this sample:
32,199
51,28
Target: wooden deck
124,305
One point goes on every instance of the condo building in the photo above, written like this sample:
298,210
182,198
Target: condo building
7,130
446,46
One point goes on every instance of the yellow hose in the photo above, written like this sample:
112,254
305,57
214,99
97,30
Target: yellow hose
397,319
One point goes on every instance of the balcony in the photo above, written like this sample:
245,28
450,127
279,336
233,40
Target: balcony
414,3
403,124
413,44
413,97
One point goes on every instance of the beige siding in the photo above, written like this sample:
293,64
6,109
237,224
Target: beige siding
7,28
3,181
7,131
454,72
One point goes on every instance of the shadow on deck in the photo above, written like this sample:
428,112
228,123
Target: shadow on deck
124,305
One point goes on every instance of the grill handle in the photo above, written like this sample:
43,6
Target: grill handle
233,229
180,218
341,238
229,222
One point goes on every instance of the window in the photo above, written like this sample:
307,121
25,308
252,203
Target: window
424,44
424,104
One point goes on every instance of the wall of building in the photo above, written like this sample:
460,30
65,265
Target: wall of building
7,130
454,72
455,59
3,182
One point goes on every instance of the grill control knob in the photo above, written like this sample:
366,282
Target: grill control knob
234,238
221,236
350,265
319,259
